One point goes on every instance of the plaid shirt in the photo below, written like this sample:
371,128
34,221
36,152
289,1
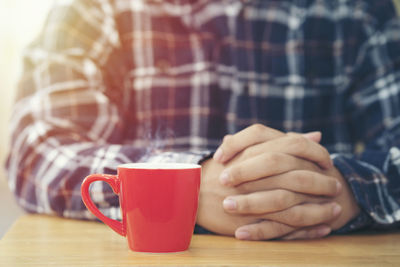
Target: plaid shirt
110,82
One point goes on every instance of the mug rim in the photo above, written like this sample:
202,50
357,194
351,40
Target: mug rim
159,166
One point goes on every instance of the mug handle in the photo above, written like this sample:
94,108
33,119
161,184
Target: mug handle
114,182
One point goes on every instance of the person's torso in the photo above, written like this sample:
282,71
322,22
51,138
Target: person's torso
195,71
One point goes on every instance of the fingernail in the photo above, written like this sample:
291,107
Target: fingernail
323,231
229,204
243,235
218,155
224,177
338,187
336,209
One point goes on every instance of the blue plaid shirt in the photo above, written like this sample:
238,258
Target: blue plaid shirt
112,81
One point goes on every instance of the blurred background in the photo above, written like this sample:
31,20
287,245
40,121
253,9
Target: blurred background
20,21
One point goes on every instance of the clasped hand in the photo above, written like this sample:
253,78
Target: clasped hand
264,184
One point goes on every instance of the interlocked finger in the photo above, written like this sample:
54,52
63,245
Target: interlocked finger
293,144
264,202
262,166
263,230
306,214
313,232
300,181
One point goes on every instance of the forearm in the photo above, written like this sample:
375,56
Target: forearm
47,177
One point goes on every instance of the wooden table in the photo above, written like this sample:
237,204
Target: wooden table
36,240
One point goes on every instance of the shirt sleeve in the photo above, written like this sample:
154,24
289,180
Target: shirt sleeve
373,107
65,125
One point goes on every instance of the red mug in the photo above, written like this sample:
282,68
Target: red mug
158,203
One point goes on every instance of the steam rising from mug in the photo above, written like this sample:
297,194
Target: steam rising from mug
156,141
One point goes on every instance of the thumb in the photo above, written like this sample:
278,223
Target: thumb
313,136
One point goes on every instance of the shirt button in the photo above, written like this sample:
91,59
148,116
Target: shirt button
162,65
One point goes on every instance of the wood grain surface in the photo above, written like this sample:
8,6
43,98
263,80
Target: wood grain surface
36,240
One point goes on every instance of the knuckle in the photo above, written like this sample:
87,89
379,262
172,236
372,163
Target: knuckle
313,167
272,158
309,234
332,184
326,214
260,233
280,229
304,179
293,236
247,153
228,141
298,218
300,177
280,200
258,130
245,188
327,185
258,127
299,143
236,174
325,154
226,137
325,151
243,204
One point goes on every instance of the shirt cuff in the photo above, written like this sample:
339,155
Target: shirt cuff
356,183
201,230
